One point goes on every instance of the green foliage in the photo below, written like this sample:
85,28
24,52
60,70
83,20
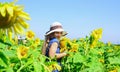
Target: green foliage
102,58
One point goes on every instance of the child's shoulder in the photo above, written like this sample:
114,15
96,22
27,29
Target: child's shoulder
54,40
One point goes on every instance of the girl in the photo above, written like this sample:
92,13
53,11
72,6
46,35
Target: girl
51,47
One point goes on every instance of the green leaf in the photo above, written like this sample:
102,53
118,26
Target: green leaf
78,58
42,58
30,61
3,58
114,60
2,64
10,53
9,69
14,60
2,46
37,66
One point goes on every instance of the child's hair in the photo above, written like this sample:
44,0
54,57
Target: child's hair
45,44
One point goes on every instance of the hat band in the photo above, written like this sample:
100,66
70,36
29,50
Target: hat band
55,27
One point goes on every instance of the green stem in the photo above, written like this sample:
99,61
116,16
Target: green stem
22,66
86,50
45,67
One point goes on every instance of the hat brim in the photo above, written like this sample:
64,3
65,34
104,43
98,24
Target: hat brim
57,30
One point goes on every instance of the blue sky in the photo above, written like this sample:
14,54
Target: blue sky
78,17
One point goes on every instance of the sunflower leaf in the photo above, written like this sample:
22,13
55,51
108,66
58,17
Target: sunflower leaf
3,58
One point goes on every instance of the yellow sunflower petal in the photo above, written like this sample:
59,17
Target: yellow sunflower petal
18,8
16,31
19,28
10,33
24,24
25,16
3,11
16,39
10,10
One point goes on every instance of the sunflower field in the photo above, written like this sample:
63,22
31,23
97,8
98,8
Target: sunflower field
88,54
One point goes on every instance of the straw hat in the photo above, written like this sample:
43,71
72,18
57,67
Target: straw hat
56,27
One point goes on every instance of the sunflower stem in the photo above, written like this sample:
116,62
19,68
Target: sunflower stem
22,66
46,67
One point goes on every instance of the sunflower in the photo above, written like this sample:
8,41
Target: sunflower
101,60
95,36
109,43
30,35
66,44
13,19
97,33
22,52
54,66
74,48
63,44
115,70
37,41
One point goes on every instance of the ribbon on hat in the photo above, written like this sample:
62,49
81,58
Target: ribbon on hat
55,27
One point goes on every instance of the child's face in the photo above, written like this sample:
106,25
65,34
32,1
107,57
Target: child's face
58,34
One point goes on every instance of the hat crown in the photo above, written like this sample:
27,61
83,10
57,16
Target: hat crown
56,24
55,27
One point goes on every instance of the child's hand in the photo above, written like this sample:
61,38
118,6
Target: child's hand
67,53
